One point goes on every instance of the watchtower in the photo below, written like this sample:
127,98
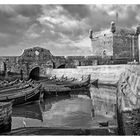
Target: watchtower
118,44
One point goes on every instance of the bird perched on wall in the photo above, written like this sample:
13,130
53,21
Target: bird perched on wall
110,130
24,123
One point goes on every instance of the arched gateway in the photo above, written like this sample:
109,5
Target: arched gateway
34,73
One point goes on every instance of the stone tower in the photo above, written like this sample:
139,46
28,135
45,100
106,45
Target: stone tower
117,43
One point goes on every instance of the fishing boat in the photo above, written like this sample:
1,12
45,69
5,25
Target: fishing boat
55,87
54,90
5,116
29,92
13,84
79,83
16,86
69,83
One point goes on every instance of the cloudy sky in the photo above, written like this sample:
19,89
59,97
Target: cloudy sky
63,29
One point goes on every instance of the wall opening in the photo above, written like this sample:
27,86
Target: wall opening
3,68
61,66
34,74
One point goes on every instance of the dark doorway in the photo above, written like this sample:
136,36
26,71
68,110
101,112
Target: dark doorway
61,66
34,74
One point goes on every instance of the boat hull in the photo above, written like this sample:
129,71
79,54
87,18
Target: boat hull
28,97
5,116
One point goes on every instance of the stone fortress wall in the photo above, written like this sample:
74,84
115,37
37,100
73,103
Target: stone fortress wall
42,58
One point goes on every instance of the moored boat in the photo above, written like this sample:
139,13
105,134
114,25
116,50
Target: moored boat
26,94
5,116
13,84
79,83
69,82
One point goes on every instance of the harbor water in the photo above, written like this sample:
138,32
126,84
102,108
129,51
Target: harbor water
82,109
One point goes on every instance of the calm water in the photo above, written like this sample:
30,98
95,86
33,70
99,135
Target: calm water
74,111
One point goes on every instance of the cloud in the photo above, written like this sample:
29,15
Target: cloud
77,11
61,28
15,20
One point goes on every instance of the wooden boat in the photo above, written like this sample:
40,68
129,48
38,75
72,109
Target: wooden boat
79,84
17,87
6,83
72,83
5,116
22,95
55,90
14,84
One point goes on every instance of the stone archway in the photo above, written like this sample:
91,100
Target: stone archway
34,73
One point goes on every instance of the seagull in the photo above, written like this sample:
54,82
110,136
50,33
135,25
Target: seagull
24,123
110,130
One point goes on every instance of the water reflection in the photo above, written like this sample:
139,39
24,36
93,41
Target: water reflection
82,110
104,101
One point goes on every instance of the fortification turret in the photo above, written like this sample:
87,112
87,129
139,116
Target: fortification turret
113,27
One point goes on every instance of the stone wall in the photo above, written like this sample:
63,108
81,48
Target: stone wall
31,58
128,100
105,73
42,58
102,43
10,61
125,44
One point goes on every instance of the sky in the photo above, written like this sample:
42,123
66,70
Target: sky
62,29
